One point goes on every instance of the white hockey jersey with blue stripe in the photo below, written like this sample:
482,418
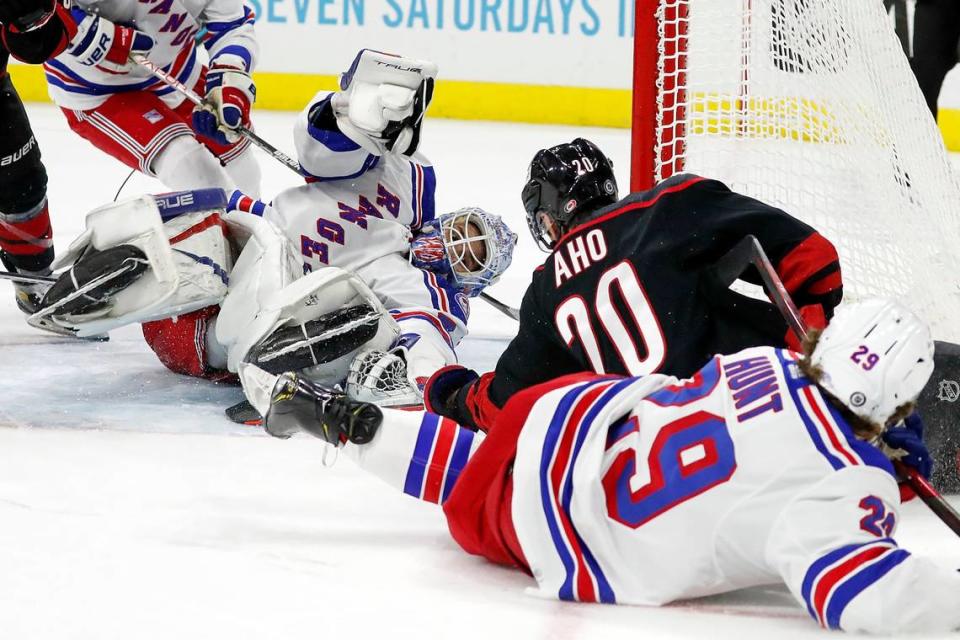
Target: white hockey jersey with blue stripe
648,490
359,212
174,26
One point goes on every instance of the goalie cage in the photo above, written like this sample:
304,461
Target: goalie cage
809,105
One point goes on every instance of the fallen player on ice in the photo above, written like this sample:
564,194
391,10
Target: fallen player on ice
766,466
378,292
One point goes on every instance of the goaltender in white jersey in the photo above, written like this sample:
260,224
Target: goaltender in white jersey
764,467
352,272
370,210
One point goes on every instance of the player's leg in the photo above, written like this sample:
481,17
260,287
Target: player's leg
237,158
936,29
182,344
26,244
144,133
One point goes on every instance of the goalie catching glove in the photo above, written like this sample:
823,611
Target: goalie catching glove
382,101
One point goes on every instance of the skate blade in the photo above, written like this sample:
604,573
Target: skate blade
46,325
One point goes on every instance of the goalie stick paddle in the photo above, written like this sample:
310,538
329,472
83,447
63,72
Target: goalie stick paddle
748,251
190,95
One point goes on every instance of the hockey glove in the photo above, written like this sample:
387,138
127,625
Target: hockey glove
230,95
37,36
906,442
813,317
382,101
108,46
440,392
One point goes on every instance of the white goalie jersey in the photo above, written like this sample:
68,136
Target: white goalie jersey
359,212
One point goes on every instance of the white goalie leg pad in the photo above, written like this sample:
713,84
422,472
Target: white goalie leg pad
265,294
381,377
189,257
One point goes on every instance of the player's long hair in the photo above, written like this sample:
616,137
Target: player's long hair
862,428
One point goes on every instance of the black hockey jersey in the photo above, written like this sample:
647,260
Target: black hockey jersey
632,291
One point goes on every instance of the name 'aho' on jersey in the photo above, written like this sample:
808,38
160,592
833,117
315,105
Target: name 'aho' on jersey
174,26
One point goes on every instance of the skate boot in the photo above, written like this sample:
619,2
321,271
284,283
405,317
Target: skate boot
298,404
28,294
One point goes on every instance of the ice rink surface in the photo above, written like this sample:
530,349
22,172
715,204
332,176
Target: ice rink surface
131,508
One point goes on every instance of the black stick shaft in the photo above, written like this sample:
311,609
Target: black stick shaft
22,277
781,297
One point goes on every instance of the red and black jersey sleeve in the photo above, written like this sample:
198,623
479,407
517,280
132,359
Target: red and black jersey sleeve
535,355
719,218
45,39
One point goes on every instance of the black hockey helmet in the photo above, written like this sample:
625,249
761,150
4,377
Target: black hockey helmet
565,181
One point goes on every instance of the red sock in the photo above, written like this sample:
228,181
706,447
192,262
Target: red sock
25,236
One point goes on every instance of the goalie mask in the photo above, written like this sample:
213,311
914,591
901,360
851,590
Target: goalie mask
469,246
565,181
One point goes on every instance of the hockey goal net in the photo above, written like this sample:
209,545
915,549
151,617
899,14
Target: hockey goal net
809,105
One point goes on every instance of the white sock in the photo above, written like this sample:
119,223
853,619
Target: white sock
184,164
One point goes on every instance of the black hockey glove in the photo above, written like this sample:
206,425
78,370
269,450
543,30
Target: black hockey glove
440,392
25,14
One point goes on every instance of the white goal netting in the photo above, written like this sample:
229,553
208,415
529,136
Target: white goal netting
810,105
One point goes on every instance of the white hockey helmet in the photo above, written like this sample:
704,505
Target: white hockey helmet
875,355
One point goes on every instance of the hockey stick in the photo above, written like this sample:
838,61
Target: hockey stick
22,277
190,95
503,307
749,251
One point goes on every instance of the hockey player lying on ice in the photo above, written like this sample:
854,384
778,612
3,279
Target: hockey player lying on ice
762,468
629,287
369,210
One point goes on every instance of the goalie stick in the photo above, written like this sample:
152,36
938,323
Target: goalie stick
22,277
749,252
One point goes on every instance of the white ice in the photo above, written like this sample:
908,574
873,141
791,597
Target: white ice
131,508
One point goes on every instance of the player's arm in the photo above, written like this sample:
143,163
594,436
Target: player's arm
834,548
34,31
807,262
421,454
532,357
233,50
324,151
